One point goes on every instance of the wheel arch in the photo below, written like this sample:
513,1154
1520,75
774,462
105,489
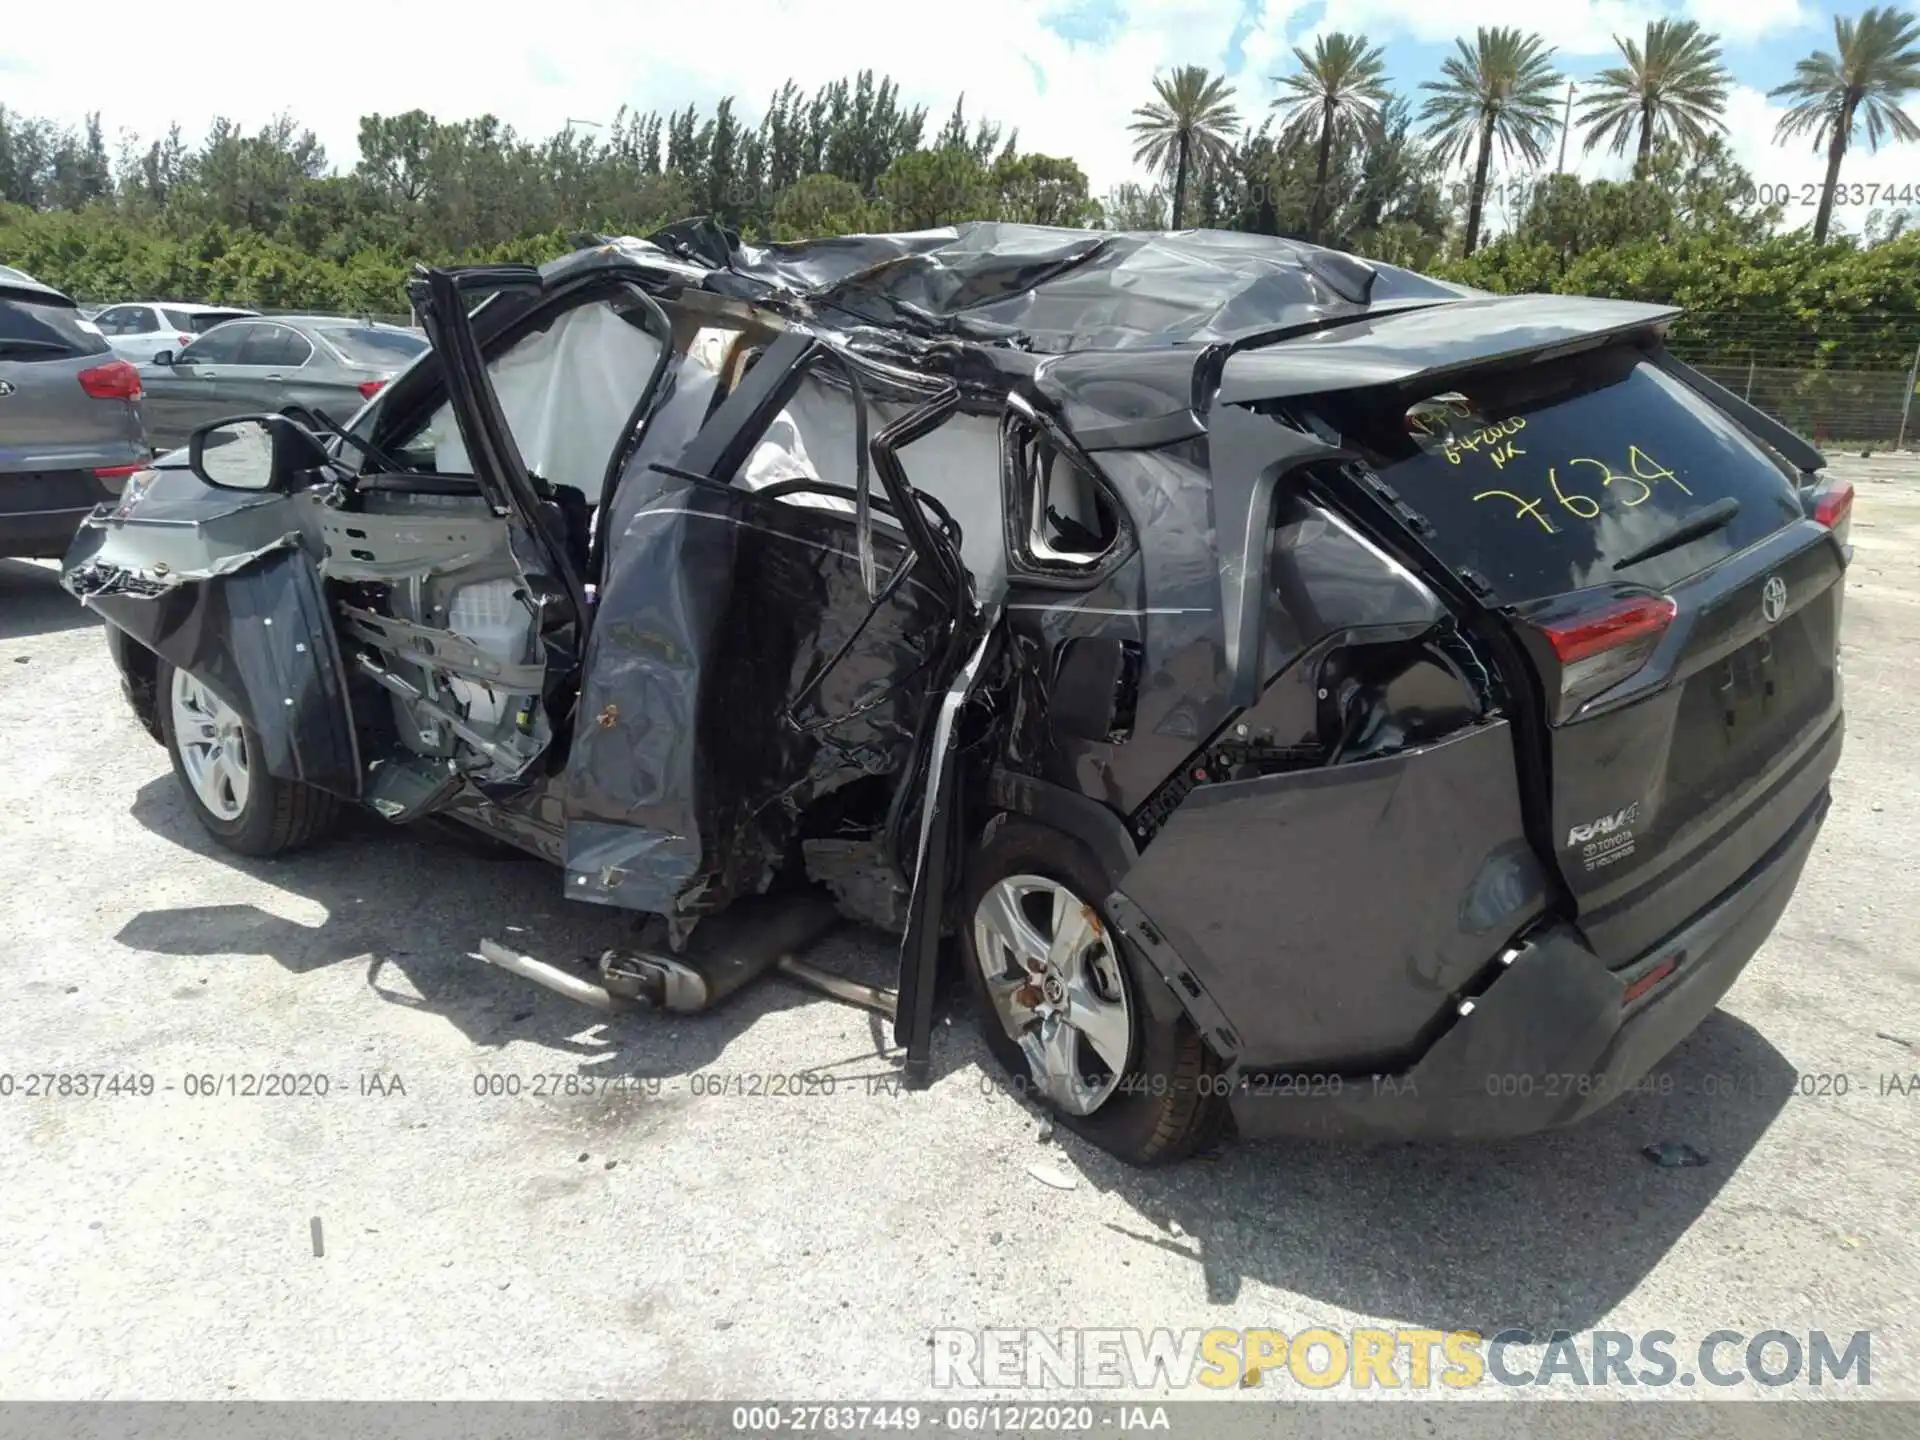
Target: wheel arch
261,640
139,671
1102,835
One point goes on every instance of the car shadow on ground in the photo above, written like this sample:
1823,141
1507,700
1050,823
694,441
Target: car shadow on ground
1547,1232
32,602
410,904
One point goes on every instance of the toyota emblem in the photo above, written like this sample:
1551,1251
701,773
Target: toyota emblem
1773,599
6,388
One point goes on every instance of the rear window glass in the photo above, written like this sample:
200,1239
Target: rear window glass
200,321
1546,479
45,330
367,346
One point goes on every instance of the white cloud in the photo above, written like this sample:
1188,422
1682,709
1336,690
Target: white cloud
1571,28
1746,20
1797,171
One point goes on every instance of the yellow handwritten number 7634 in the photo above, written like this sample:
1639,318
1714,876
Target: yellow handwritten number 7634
1645,472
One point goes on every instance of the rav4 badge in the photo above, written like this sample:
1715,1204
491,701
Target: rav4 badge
1607,839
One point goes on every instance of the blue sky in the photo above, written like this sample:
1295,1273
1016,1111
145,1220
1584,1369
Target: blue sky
1762,58
1067,73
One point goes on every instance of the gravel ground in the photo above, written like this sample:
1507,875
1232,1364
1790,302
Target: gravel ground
627,1244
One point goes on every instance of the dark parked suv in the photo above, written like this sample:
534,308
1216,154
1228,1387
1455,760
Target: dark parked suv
1305,693
70,429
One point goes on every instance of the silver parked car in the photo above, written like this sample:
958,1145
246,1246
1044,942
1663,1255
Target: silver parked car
70,431
141,331
323,362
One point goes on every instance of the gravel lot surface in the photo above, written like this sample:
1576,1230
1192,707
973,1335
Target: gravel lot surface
626,1244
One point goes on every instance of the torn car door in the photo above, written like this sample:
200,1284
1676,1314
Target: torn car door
459,569
772,628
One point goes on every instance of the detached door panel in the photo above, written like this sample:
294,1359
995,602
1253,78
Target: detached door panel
739,673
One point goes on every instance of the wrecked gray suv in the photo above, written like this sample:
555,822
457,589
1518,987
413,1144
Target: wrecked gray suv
1309,696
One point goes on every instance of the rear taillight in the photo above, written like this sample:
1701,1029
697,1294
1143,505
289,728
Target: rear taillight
1599,649
1833,508
185,340
115,380
371,388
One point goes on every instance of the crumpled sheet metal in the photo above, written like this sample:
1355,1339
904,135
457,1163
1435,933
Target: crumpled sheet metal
1059,290
178,531
150,561
140,577
695,753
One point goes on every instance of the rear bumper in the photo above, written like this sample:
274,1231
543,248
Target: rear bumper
39,534
41,510
1550,1041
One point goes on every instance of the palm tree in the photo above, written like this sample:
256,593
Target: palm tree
1503,90
1191,123
1337,94
1674,89
1878,62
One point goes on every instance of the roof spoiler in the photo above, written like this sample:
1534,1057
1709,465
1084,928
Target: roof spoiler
1425,343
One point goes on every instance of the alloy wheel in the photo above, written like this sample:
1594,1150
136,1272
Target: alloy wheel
213,747
1054,978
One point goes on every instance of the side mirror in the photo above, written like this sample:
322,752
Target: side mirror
161,357
253,452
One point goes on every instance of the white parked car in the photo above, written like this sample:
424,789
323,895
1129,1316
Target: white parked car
140,331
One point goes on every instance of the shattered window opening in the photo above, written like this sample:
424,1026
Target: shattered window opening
1068,521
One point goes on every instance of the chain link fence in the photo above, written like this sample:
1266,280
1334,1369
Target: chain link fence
1868,408
1845,382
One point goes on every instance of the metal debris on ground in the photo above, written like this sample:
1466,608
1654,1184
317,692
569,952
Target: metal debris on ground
1047,1175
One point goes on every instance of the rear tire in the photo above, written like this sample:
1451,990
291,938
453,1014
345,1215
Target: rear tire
215,758
1149,1098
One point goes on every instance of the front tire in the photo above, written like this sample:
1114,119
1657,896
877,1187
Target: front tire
1061,1000
217,758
